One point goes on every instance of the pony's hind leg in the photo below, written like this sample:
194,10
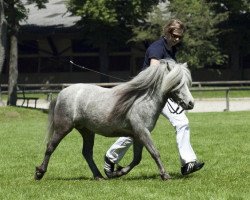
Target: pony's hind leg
137,145
56,138
87,151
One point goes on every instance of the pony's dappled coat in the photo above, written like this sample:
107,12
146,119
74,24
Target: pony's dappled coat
137,104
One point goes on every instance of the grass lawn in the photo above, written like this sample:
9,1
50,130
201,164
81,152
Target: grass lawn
221,140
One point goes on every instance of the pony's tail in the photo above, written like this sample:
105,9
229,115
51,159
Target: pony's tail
50,130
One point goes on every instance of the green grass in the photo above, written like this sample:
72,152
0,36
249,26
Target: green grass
221,140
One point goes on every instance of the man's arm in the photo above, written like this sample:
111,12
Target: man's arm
154,61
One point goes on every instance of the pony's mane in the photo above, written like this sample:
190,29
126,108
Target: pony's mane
147,82
179,75
186,78
144,84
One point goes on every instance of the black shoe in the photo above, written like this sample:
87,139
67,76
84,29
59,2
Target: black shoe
191,167
109,167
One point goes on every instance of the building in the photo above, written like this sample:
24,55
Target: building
49,40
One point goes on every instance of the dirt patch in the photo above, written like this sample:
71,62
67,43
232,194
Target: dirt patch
12,114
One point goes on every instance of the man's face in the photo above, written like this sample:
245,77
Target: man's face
175,37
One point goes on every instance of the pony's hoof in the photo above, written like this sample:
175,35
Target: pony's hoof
38,174
165,177
119,167
121,172
111,175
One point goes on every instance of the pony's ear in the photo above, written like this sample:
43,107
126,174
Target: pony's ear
185,64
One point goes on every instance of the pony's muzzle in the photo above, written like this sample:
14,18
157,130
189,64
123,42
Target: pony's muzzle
187,106
190,105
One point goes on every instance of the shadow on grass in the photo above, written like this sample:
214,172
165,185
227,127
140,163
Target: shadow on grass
69,178
174,176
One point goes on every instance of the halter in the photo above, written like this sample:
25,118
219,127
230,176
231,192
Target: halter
177,111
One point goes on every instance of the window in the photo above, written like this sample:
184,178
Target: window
119,63
26,47
246,61
28,65
90,62
54,64
81,46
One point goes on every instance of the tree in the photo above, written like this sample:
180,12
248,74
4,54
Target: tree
2,42
107,23
15,12
235,40
200,44
150,28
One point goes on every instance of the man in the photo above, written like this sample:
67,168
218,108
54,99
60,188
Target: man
164,48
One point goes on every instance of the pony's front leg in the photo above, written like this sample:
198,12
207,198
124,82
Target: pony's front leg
143,135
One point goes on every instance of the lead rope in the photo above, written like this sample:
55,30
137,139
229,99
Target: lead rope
82,67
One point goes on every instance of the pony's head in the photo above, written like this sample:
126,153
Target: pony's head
178,82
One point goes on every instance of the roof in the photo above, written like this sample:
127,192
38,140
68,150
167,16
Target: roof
54,15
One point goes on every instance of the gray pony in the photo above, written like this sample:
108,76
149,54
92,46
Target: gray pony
129,109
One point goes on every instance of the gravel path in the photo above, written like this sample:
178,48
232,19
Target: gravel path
219,105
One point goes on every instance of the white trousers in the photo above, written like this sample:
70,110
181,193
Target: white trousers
181,124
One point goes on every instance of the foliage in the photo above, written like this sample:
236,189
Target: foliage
237,25
15,11
200,45
109,19
111,11
150,28
233,6
222,144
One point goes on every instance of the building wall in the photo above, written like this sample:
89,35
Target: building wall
90,77
50,62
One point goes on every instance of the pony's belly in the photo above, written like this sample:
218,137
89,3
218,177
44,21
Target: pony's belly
109,131
104,128
117,133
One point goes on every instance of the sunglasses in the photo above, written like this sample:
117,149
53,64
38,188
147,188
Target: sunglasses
176,36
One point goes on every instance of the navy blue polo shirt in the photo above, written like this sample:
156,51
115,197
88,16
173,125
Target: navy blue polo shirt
158,50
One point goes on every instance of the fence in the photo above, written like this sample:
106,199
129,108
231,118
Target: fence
34,88
49,89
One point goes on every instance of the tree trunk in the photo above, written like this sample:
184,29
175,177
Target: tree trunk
3,38
104,61
13,71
